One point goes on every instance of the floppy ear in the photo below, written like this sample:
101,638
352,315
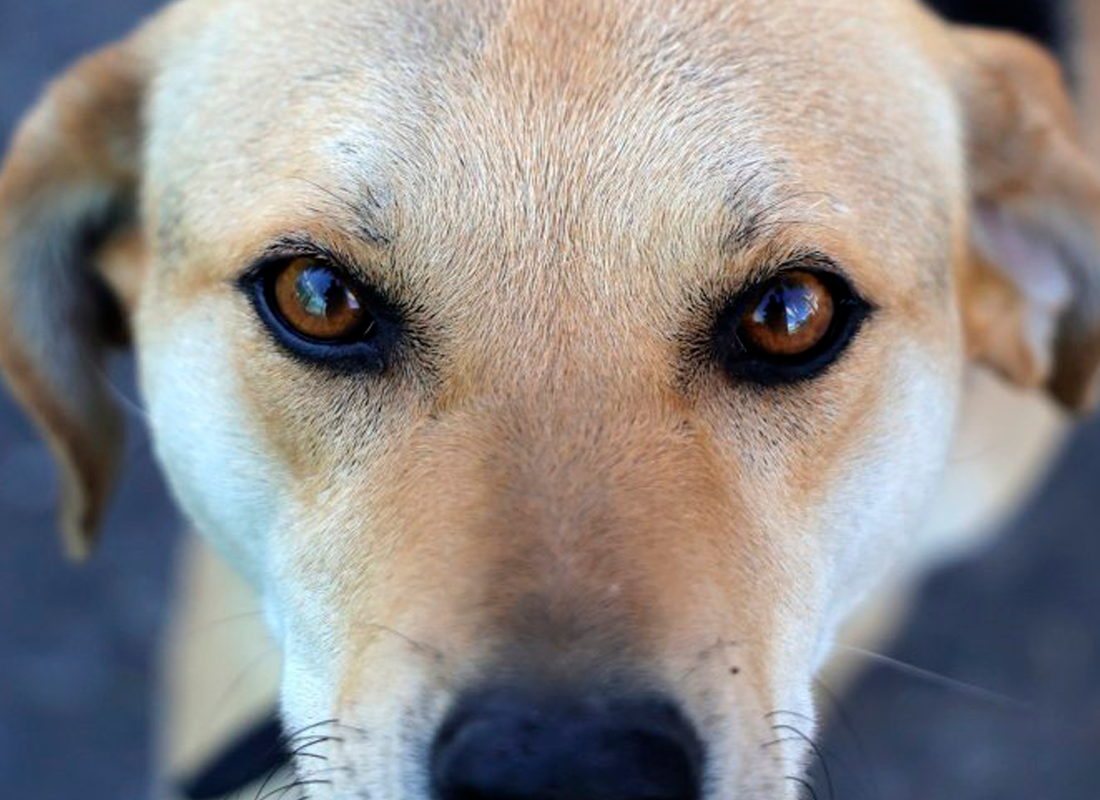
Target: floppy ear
67,197
1031,284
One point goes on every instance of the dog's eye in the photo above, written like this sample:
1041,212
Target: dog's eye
319,313
790,327
318,303
789,315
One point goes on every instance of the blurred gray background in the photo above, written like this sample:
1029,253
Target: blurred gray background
78,646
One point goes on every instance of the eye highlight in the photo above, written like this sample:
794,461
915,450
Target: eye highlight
789,328
320,314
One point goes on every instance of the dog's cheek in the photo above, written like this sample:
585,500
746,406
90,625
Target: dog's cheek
883,484
205,442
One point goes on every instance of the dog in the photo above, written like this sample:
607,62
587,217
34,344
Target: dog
561,374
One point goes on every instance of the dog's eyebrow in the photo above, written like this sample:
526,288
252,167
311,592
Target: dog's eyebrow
754,218
362,211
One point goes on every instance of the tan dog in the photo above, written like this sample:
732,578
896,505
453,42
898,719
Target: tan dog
560,373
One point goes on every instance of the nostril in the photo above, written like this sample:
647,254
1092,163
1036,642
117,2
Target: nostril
511,746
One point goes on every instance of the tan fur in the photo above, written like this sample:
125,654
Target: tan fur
76,155
549,483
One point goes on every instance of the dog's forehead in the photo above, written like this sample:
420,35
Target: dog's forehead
476,132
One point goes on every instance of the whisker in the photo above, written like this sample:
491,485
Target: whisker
295,734
302,749
297,784
943,681
817,752
805,785
280,791
268,780
270,777
845,765
343,726
311,741
778,711
434,652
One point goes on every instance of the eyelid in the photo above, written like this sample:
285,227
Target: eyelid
807,259
816,262
285,250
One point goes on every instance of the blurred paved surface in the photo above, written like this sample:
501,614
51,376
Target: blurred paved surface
78,646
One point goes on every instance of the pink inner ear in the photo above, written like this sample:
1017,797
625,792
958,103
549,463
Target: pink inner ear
1026,257
1032,263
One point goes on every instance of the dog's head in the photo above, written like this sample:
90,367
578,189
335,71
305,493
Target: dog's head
559,372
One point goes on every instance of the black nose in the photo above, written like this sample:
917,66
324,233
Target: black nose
509,745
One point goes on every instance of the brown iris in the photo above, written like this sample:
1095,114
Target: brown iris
790,315
319,303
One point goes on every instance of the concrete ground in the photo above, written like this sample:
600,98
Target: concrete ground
78,647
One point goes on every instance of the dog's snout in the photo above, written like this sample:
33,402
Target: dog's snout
508,745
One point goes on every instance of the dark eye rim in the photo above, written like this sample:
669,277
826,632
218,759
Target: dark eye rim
359,353
747,363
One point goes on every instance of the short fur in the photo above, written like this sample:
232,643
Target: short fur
551,483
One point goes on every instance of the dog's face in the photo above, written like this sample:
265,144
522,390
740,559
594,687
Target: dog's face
560,373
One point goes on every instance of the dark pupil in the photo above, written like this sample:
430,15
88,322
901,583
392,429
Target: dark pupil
786,308
320,292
